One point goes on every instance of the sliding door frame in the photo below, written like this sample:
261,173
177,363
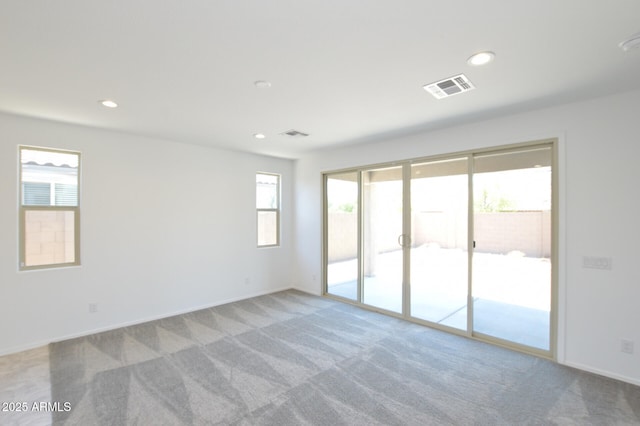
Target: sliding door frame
552,144
406,229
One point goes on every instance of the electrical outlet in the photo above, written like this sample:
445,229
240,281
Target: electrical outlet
247,281
593,262
93,308
626,346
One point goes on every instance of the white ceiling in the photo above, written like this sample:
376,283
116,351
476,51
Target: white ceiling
344,71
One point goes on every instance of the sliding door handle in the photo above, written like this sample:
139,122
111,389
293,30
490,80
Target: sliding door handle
404,240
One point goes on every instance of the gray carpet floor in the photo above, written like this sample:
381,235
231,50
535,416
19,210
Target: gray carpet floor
292,359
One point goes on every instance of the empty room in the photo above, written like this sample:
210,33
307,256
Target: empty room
322,213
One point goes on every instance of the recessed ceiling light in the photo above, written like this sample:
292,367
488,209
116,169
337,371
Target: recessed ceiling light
481,58
108,103
262,84
259,136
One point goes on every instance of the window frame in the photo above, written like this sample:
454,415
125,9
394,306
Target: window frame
23,210
269,210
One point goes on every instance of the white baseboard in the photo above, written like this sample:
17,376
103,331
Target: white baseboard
306,290
604,373
39,344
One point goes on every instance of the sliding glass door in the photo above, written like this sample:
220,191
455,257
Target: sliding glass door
462,243
383,245
439,257
341,240
512,258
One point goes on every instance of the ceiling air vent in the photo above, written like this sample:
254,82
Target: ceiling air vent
294,134
449,87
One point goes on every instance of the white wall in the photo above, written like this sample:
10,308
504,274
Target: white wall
599,202
166,228
169,227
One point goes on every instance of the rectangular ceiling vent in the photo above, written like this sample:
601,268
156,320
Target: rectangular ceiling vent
449,87
294,134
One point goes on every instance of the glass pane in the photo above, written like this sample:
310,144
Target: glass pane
342,235
49,237
66,195
36,194
267,228
44,170
439,257
382,234
512,258
267,191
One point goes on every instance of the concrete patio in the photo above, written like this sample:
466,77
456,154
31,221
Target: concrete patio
511,296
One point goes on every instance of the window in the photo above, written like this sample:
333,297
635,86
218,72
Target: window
268,209
49,208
